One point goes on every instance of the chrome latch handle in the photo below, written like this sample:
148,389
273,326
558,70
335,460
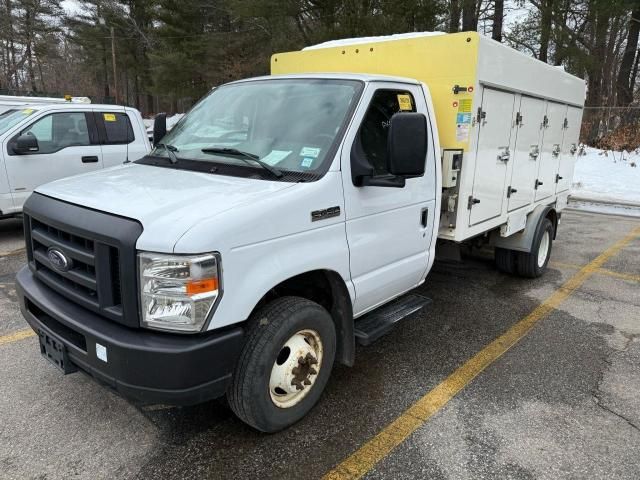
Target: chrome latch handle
505,155
574,149
556,150
534,153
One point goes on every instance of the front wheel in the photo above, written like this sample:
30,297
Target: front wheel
285,363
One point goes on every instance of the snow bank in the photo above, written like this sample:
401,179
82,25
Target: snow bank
607,176
359,40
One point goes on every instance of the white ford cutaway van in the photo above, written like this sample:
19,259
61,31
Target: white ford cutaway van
40,143
285,217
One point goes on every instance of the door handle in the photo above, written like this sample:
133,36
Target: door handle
90,159
424,217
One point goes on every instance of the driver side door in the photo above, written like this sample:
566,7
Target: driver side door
67,145
389,230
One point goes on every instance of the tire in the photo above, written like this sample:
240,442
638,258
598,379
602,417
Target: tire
266,357
505,260
534,264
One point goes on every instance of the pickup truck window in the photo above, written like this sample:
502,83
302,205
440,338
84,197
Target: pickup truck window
290,124
12,117
117,128
60,130
375,125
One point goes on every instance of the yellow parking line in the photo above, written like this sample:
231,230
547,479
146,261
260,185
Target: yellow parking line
623,276
368,455
600,271
571,266
12,252
15,336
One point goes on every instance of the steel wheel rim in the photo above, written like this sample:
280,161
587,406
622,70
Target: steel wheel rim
296,368
543,250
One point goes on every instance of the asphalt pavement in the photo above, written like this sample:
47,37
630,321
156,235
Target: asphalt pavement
562,402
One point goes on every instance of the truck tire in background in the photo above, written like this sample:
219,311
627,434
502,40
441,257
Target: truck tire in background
285,363
505,260
534,263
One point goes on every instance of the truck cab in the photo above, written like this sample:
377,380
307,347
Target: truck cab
40,143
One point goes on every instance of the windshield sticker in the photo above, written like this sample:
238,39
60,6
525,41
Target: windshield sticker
27,111
109,117
404,102
310,152
306,162
275,157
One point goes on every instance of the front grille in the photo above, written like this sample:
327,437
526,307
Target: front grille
100,247
93,280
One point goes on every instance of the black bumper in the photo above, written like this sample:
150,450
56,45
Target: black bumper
146,366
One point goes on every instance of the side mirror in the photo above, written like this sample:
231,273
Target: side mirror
159,127
25,144
407,145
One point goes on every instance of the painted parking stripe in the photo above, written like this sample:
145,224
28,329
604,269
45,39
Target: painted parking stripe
601,271
13,252
373,451
16,336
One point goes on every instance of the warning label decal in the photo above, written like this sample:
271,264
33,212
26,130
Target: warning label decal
465,106
463,120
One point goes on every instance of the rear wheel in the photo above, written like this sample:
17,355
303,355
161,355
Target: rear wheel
285,364
534,263
505,260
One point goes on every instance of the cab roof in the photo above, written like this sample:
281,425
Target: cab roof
363,77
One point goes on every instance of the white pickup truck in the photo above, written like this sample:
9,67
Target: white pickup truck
286,217
40,143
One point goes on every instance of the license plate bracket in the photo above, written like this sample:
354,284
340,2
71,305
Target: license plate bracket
55,352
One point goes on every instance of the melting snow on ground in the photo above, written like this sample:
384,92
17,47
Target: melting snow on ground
602,175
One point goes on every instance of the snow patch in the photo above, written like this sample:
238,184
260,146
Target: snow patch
383,38
602,175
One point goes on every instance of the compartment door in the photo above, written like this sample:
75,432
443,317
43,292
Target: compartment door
526,153
492,155
552,133
569,151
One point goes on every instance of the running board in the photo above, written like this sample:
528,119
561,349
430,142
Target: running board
374,325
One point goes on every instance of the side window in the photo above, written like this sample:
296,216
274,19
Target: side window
60,130
372,136
117,128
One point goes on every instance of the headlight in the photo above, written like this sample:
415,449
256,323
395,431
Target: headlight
177,292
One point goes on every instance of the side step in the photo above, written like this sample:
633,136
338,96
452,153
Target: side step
373,325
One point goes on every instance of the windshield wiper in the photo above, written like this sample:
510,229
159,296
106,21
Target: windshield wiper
245,156
170,151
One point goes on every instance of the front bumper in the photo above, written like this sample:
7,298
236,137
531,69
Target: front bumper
150,367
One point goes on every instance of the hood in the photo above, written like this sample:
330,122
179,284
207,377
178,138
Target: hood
167,202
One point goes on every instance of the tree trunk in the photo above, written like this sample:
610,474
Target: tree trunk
625,83
498,14
469,17
546,17
454,16
28,30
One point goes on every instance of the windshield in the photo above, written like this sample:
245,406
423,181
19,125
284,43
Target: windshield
289,124
12,117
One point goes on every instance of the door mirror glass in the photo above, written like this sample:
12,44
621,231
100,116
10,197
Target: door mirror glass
159,127
407,145
25,144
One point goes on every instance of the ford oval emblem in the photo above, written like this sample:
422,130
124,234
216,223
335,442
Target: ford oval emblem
59,260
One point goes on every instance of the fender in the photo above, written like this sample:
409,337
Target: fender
523,240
